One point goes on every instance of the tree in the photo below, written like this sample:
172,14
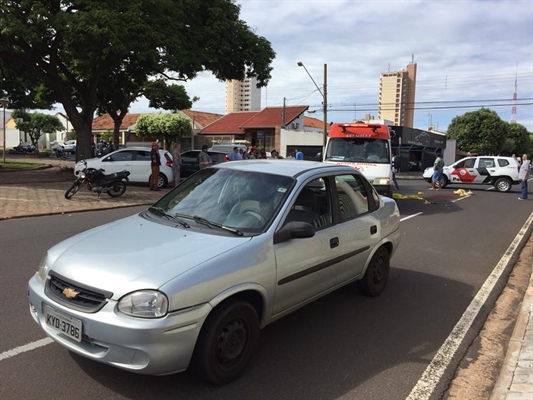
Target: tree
37,124
72,47
170,127
482,131
521,139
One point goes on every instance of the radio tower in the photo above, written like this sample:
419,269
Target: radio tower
513,109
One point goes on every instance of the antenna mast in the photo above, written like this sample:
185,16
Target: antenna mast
513,109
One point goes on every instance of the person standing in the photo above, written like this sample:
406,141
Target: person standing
203,158
299,155
155,161
235,155
522,175
438,166
396,163
176,163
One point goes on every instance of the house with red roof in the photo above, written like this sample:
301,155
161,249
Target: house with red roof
281,128
127,135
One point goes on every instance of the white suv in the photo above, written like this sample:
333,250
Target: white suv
501,172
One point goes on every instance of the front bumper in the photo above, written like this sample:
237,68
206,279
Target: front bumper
147,346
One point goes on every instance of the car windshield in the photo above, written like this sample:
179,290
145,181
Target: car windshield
358,150
243,200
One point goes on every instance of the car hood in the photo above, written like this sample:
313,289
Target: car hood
135,253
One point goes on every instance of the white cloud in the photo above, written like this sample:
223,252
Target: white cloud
465,50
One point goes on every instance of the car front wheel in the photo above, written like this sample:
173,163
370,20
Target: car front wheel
226,342
376,274
503,184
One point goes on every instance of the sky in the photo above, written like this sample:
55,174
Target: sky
469,53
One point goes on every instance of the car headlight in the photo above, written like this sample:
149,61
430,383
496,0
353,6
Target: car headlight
144,304
381,181
43,268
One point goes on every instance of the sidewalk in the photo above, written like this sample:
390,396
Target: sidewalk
41,192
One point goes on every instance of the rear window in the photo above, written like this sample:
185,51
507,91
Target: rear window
217,157
502,162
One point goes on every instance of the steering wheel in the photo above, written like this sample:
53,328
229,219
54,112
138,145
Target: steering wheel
255,214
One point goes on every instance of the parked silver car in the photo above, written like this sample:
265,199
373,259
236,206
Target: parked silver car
189,282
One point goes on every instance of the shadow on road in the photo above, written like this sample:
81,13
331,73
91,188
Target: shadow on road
339,344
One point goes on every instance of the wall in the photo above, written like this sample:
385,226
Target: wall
289,137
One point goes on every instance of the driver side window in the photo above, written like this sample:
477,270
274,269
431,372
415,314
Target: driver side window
312,205
120,156
352,196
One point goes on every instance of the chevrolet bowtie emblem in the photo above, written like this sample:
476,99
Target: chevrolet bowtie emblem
70,293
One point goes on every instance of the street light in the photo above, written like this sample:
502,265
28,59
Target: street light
4,103
325,102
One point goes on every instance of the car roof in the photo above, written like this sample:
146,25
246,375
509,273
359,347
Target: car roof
292,168
137,148
208,151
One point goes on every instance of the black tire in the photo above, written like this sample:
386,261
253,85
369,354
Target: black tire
72,190
503,184
162,182
377,273
442,182
226,342
117,189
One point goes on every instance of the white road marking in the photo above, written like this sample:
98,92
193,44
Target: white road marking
460,198
27,347
410,216
435,370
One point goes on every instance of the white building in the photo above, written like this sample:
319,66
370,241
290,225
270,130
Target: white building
242,96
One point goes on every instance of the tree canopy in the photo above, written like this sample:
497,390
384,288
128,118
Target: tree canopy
75,52
170,127
36,124
484,132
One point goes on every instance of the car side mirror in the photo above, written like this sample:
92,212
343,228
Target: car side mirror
294,230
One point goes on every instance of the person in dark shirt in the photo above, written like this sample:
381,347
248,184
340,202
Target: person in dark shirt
396,164
155,159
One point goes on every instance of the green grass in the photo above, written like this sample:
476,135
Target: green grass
19,165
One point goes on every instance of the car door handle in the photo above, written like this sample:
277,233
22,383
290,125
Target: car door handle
373,229
334,242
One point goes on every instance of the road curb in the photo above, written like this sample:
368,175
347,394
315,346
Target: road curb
505,385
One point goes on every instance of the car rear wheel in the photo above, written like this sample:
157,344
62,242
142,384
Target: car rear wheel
503,184
442,182
376,274
162,181
226,342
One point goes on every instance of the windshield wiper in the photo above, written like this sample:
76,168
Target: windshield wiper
210,224
170,216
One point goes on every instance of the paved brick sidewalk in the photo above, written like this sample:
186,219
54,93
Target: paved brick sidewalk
41,192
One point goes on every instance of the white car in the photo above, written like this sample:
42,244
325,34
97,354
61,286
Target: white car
192,280
69,146
499,171
136,160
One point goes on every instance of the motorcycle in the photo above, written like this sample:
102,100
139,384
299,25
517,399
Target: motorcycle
97,181
23,148
60,153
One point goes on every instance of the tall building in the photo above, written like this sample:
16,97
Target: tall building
242,96
397,96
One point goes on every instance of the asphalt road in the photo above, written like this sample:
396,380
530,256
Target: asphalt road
344,345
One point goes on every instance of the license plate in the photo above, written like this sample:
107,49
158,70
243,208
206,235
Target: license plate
63,323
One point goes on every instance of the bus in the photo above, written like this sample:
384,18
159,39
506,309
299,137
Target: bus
365,146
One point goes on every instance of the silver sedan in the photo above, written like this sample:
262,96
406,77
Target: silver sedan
189,282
